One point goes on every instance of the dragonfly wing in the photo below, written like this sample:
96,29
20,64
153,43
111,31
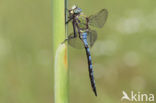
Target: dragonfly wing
75,42
99,19
92,36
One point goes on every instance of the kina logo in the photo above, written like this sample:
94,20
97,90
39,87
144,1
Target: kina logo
137,97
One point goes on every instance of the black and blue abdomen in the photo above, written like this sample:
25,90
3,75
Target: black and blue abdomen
83,37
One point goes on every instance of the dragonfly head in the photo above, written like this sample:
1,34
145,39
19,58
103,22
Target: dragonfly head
75,10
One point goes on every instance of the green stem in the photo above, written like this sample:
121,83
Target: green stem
60,52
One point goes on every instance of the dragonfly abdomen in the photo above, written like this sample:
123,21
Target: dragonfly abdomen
90,67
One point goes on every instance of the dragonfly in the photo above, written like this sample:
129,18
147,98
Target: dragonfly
83,36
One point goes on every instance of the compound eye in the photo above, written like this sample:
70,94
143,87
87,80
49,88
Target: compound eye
79,9
71,12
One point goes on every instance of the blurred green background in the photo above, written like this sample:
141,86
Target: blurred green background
123,56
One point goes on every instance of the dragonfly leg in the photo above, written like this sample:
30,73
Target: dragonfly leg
87,23
67,9
78,28
64,41
75,34
68,20
74,28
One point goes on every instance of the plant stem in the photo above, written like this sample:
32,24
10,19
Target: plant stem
60,51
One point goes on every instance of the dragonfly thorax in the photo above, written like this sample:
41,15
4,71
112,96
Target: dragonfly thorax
82,22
